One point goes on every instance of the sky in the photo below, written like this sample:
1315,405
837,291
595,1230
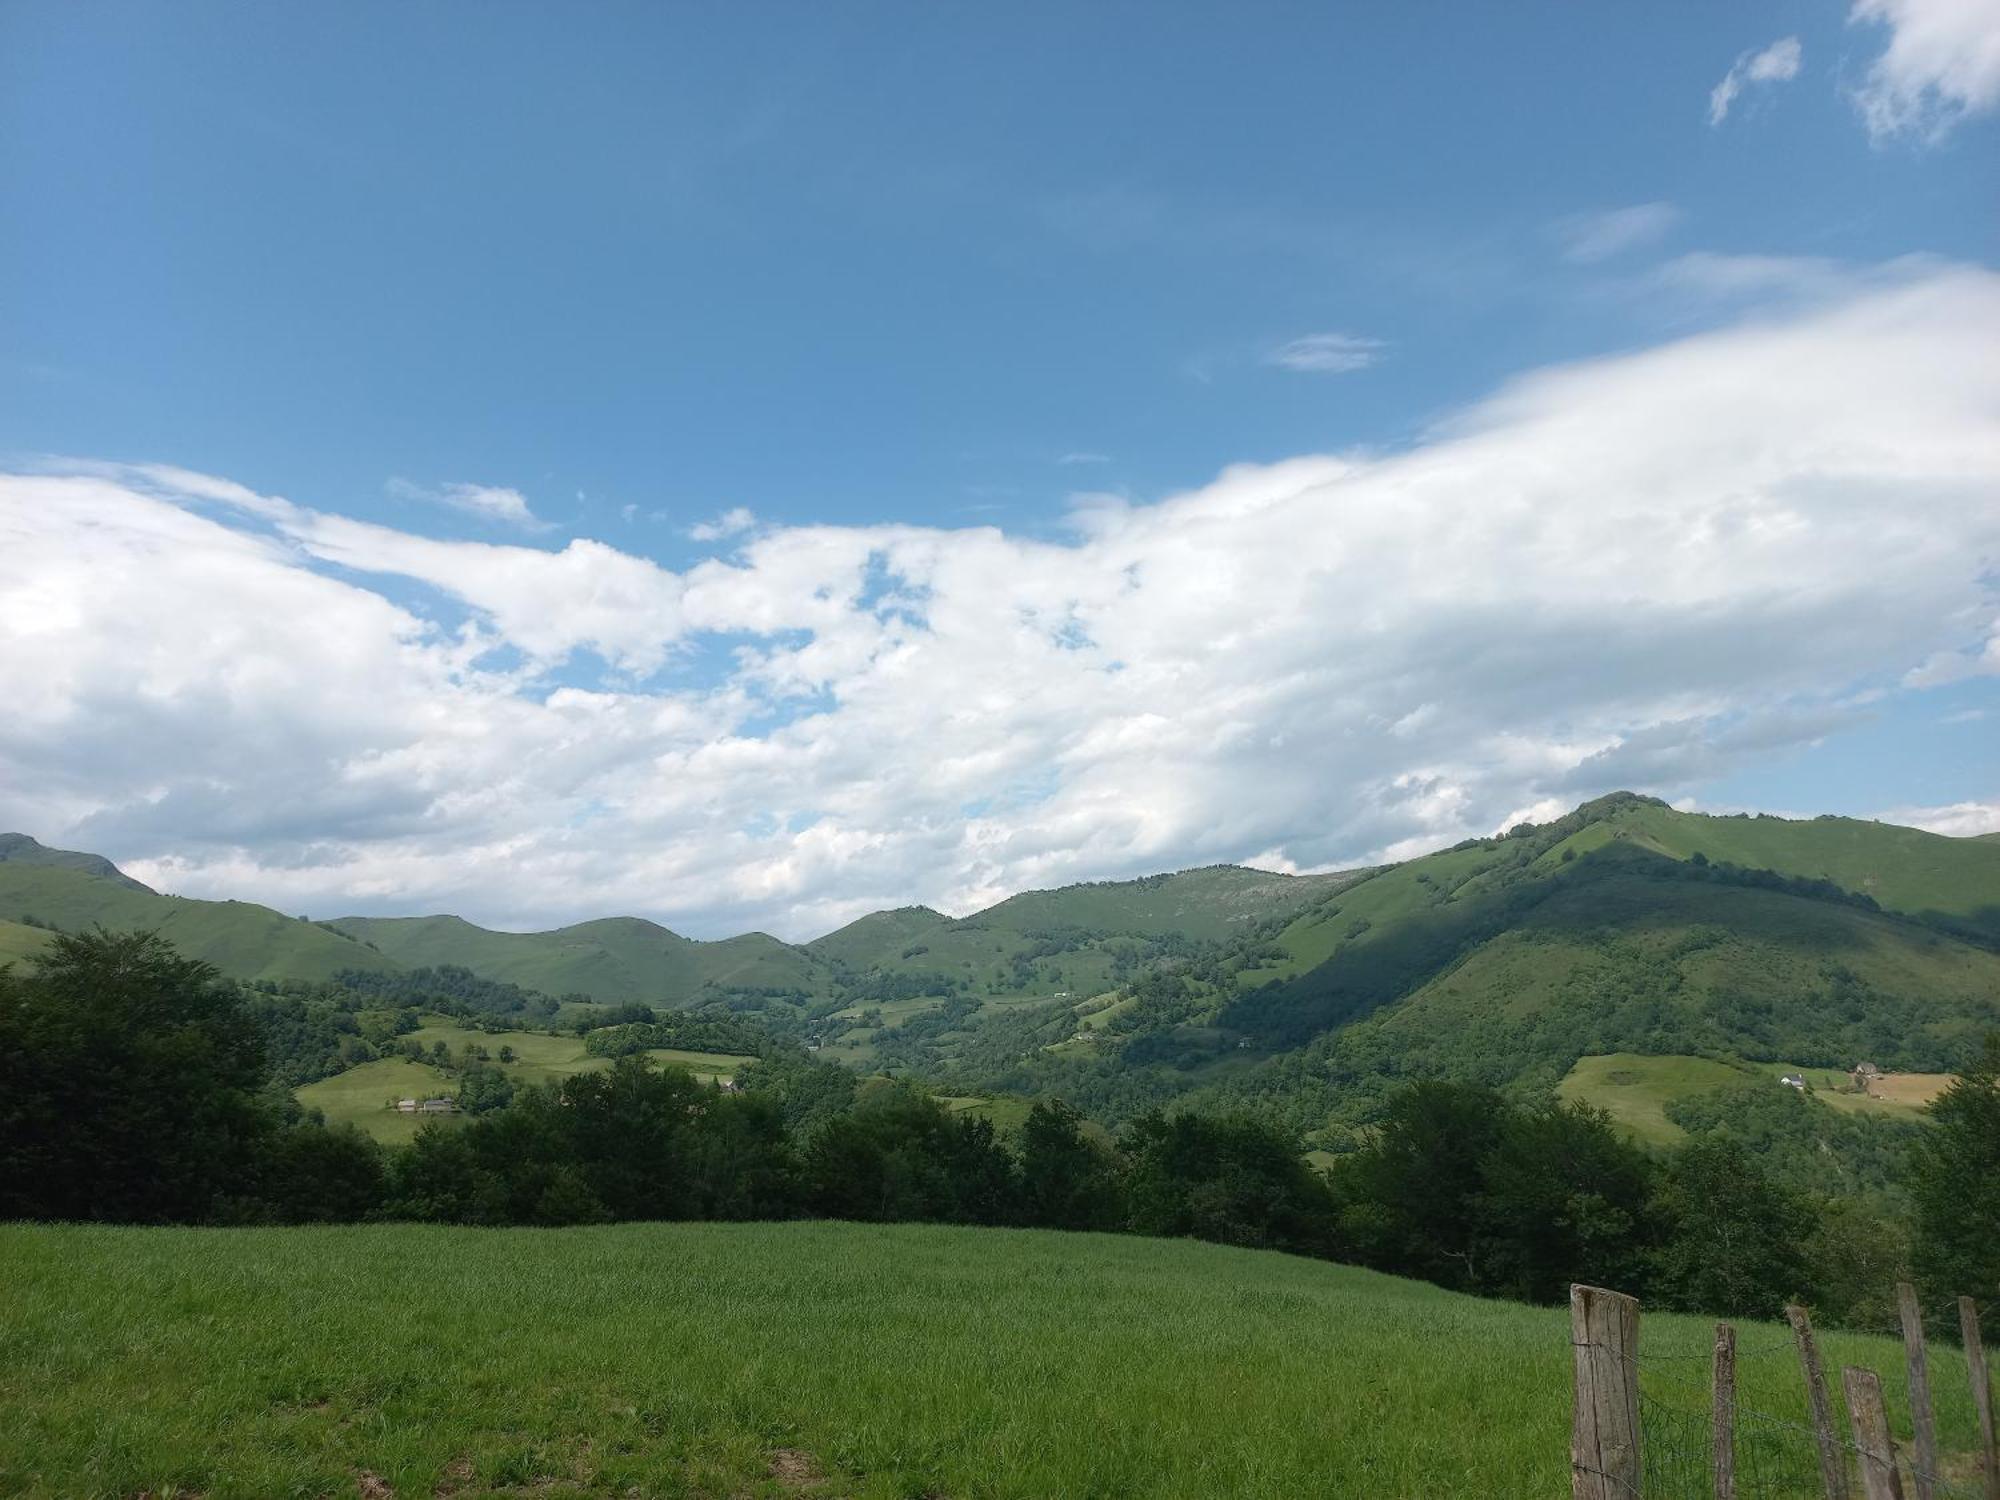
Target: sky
748,466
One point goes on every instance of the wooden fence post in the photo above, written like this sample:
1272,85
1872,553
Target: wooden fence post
1604,1433
1982,1394
1871,1434
1924,1454
1832,1464
1725,1412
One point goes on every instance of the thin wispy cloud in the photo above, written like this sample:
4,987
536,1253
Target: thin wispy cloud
732,522
488,502
1326,354
1591,237
1084,458
1777,63
1941,65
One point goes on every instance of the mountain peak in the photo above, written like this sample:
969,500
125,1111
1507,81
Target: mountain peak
22,849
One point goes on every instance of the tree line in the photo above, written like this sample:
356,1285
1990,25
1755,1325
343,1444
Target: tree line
134,1087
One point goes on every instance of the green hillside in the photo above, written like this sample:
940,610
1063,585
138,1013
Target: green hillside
1204,905
1636,1090
21,942
827,1359
1904,869
879,936
1623,927
243,940
18,849
1505,960
612,960
357,1096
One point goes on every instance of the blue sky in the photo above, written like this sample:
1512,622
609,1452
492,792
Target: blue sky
516,275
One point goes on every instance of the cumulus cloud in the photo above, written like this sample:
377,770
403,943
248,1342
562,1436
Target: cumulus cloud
1959,820
1777,63
732,522
1326,353
1942,63
1587,238
1655,566
489,502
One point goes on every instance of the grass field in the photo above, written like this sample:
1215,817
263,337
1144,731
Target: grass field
18,941
1635,1090
824,1359
355,1097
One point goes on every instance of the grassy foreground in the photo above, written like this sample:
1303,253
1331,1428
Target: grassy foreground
812,1358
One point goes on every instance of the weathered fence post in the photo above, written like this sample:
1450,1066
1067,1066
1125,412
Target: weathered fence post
1604,1435
1832,1465
1982,1394
1725,1412
1924,1456
1871,1434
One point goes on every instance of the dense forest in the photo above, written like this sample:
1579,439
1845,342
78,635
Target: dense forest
137,1085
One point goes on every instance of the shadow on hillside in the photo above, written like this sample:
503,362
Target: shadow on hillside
1616,888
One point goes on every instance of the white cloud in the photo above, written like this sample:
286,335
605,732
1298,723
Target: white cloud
1959,820
1085,458
1598,236
1659,566
489,502
733,522
1326,353
1777,63
1942,64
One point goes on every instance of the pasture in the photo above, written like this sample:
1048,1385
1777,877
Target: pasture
356,1096
360,1096
1636,1090
806,1358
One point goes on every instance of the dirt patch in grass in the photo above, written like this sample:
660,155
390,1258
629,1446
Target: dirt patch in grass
795,1470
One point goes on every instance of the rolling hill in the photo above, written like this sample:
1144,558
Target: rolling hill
69,892
1625,927
613,959
1078,937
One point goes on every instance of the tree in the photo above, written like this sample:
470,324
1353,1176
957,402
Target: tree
1955,1186
1068,1181
899,1156
1408,1199
1734,1237
1233,1180
1561,1198
129,1080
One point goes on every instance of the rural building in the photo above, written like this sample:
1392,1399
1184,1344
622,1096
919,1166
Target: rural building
1865,1075
437,1107
1792,1080
407,1106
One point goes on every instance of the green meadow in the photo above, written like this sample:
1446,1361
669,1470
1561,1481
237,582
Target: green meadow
361,1095
358,1095
827,1359
1635,1091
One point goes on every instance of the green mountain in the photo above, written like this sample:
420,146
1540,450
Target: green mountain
51,888
1623,928
1046,942
880,936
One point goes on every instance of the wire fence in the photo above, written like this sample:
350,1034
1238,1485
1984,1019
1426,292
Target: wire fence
1774,1455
